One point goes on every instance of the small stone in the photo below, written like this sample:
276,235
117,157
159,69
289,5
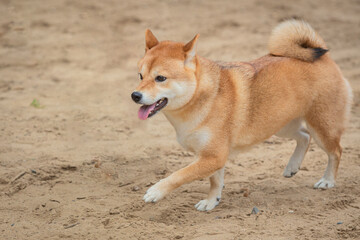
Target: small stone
178,237
338,223
135,188
106,222
255,210
291,211
97,163
245,192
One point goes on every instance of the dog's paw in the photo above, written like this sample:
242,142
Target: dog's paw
207,204
288,173
324,184
155,193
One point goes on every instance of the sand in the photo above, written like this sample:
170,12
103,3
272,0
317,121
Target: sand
76,163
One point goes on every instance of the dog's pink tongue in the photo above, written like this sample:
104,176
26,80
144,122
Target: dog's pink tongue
145,110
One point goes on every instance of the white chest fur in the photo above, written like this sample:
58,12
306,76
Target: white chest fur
190,134
194,140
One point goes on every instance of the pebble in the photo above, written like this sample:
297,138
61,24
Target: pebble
255,210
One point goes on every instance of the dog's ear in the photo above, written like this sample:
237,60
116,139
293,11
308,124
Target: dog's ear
190,52
150,40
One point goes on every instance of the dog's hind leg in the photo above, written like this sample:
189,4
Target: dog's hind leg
326,122
214,196
331,145
295,130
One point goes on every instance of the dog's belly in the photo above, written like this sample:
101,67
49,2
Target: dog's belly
259,132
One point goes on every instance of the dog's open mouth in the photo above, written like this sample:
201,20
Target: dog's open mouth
147,111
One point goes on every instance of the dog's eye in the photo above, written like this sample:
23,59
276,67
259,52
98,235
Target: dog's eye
140,76
160,78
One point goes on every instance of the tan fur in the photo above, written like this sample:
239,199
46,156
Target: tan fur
230,106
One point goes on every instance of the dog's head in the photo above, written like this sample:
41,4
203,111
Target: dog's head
166,74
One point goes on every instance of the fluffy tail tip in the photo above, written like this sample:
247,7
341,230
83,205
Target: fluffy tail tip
296,39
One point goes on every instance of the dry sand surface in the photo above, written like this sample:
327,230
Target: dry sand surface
77,165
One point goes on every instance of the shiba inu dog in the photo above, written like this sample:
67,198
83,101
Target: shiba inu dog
217,108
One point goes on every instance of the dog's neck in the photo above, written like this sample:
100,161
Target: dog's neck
197,109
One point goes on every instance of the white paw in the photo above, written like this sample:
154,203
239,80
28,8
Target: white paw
154,194
324,184
207,204
290,171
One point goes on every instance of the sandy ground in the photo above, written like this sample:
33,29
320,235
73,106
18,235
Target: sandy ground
77,165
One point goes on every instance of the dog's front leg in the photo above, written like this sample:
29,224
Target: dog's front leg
206,166
214,195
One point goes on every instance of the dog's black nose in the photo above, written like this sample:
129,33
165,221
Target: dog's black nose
136,96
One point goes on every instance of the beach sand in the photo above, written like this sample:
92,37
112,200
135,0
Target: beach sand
76,163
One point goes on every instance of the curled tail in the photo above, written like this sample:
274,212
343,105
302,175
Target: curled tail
296,39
